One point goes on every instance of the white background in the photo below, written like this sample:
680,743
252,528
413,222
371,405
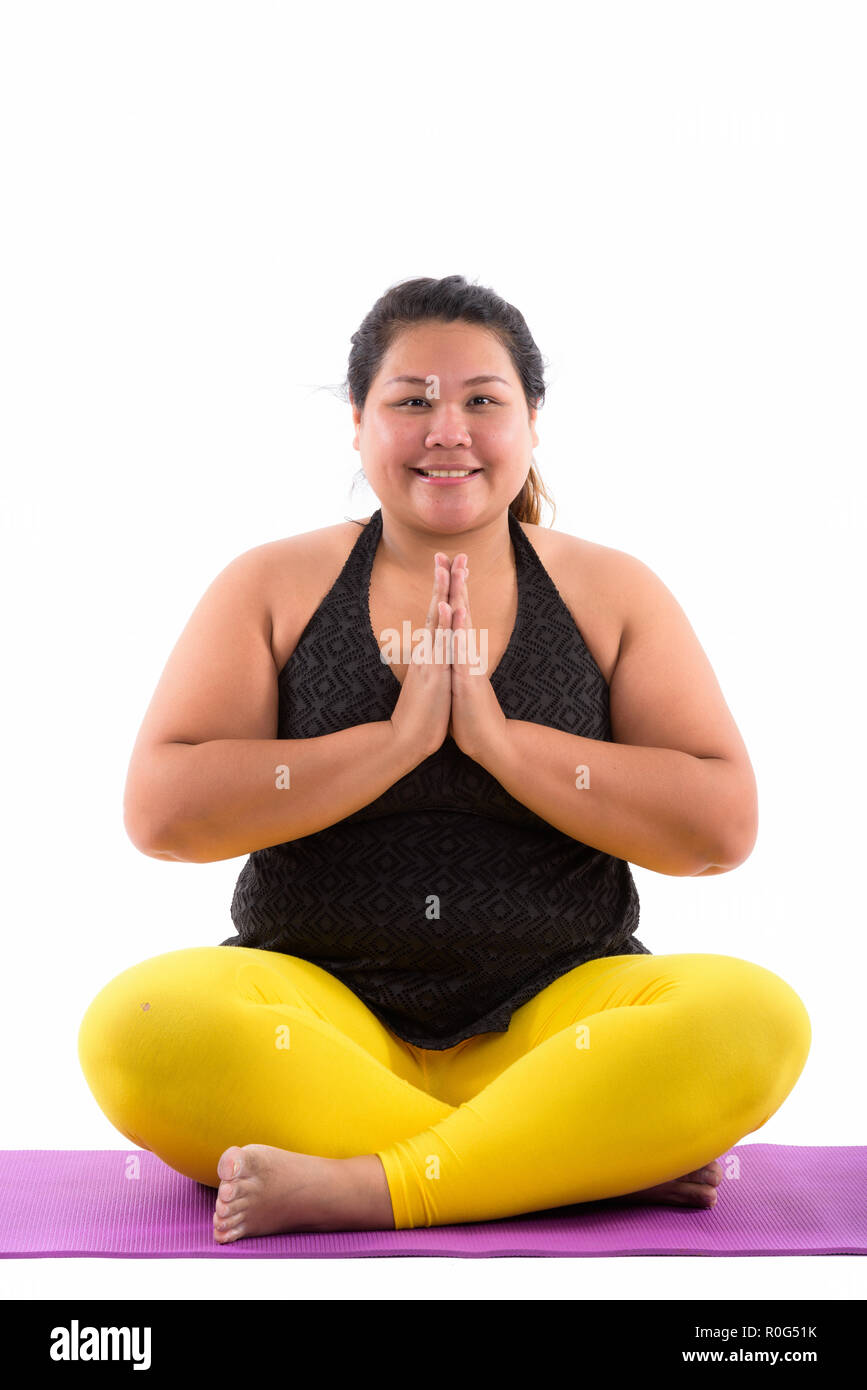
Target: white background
201,203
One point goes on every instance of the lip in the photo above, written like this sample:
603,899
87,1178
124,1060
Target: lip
447,482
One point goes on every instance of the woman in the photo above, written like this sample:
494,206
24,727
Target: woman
435,1009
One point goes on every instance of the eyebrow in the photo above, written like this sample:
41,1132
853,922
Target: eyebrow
470,381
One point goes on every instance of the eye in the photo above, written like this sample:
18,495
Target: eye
423,401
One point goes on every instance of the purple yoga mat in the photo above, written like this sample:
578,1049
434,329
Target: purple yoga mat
778,1200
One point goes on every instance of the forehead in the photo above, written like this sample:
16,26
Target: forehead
451,350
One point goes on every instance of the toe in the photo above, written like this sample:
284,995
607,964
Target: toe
710,1173
223,1210
228,1223
225,1237
231,1162
699,1194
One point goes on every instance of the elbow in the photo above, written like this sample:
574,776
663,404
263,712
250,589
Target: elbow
146,841
737,823
152,815
742,851
156,837
733,847
743,831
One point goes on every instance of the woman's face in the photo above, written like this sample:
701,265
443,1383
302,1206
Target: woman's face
465,409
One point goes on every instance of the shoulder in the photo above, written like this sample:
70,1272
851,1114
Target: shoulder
285,580
577,547
295,556
304,547
596,581
574,550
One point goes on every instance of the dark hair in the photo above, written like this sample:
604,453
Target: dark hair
453,298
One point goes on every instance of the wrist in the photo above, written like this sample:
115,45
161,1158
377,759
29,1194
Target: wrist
494,749
408,749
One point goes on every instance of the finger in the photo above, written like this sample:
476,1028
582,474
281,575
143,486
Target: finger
446,614
465,599
441,619
440,587
459,644
457,564
458,593
442,644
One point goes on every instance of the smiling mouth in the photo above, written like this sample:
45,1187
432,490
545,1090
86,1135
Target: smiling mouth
446,472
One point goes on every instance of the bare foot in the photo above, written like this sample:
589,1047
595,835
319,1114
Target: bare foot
696,1189
264,1190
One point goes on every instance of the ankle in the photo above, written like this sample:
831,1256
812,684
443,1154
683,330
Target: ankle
366,1197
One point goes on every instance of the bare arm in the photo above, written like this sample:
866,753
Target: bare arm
204,782
666,810
227,797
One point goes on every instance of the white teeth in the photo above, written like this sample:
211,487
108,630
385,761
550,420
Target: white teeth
446,472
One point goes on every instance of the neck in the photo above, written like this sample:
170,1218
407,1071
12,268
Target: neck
409,548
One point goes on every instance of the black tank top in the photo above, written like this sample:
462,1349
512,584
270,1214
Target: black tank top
444,904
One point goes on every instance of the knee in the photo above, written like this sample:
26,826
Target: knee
767,1027
131,1008
107,1023
143,1019
782,1014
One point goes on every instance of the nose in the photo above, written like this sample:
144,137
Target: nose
448,430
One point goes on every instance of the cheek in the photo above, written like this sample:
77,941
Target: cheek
394,435
500,440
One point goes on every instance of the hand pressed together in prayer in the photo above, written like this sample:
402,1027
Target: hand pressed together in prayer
445,691
477,722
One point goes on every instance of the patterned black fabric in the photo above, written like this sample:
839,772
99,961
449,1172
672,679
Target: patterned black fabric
519,902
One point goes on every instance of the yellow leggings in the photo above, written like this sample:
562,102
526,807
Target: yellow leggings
623,1073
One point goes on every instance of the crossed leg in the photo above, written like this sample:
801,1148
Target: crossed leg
626,1072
